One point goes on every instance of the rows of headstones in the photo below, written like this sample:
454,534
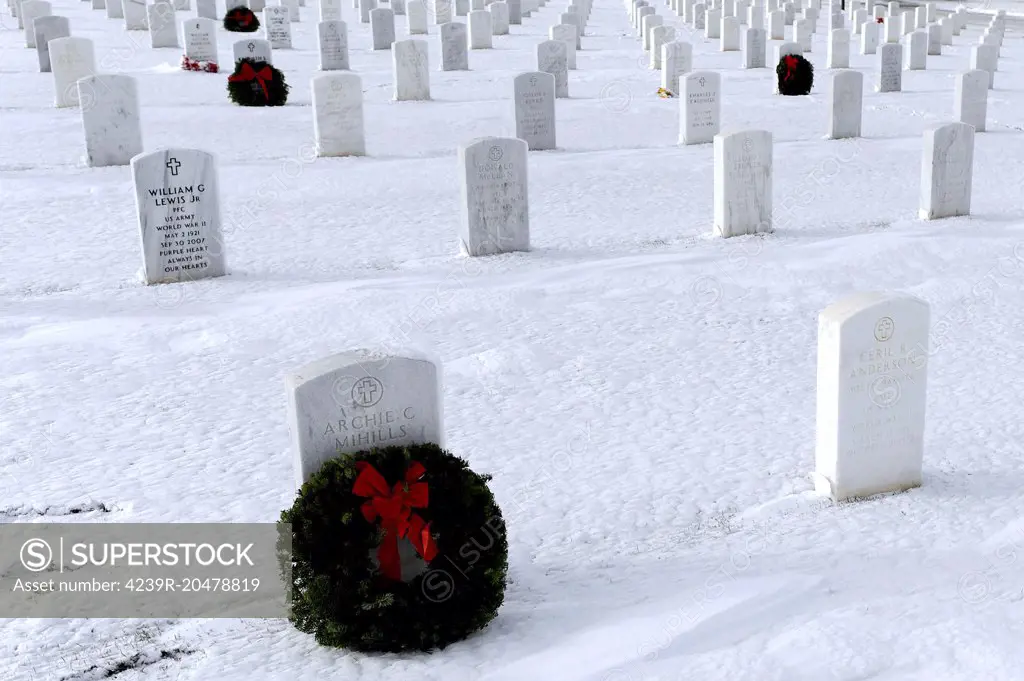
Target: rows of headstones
178,201
110,107
176,190
743,159
725,19
873,352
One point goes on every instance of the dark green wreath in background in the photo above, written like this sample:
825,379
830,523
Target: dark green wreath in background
257,83
346,587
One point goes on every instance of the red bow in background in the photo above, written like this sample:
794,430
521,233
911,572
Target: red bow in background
394,505
243,18
249,73
791,64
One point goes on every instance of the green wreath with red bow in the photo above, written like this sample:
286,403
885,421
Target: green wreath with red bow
394,549
241,20
795,75
257,83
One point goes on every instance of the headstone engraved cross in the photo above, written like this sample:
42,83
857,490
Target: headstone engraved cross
871,393
494,210
178,202
358,400
534,95
699,107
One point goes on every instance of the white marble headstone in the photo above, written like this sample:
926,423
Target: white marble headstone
278,27
802,34
700,16
551,58
480,30
416,17
50,27
338,115
454,46
200,39
743,183
29,12
178,202
359,400
135,15
893,32
330,10
985,58
115,9
499,18
163,29
494,210
382,28
332,39
871,395
947,168
846,104
410,70
365,7
869,38
838,56
676,59
729,39
700,107
534,95
755,47
256,49
71,58
646,24
567,34
660,35
110,118
293,9
890,68
971,98
777,25
917,51
206,9
441,11
713,24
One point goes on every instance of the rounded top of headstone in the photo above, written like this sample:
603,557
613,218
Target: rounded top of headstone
496,147
355,358
166,155
868,301
953,129
346,77
533,78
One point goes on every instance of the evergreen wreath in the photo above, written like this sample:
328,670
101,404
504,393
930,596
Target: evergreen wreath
257,83
795,75
194,65
347,521
241,20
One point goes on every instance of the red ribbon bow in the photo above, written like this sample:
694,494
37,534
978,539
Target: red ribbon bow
394,508
880,20
243,18
249,73
791,64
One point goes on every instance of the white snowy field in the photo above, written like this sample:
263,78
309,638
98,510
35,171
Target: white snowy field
642,393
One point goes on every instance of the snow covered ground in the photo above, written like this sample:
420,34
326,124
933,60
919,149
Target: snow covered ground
642,393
